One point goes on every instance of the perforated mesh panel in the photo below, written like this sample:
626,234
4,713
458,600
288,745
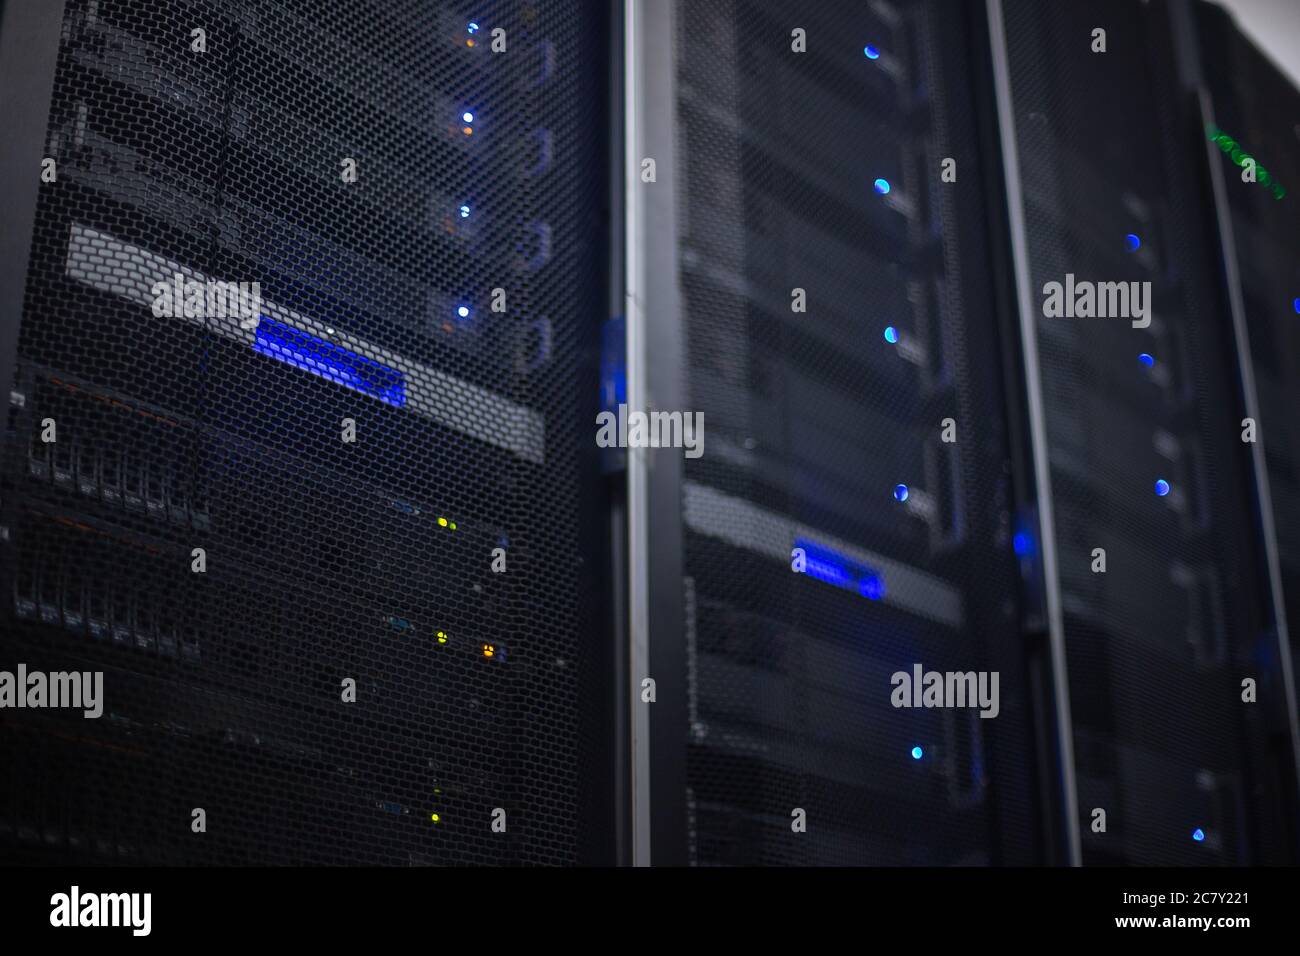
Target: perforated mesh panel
813,419
1257,106
1158,644
326,559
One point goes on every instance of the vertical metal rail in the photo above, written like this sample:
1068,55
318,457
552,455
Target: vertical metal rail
656,363
638,658
1037,424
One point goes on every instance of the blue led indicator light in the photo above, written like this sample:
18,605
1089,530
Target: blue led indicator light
871,52
463,312
613,364
1023,543
467,116
882,186
900,492
1198,835
1295,304
917,753
472,28
1146,360
1162,487
891,335
464,212
1133,242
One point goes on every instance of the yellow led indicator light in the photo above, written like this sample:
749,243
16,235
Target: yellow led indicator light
453,526
442,637
435,818
442,522
469,43
489,650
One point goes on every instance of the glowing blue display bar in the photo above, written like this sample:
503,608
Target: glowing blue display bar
320,357
827,564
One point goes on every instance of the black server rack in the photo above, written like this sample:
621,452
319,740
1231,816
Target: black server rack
1250,117
839,321
275,536
1142,421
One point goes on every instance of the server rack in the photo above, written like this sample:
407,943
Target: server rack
276,537
1143,439
1242,92
815,422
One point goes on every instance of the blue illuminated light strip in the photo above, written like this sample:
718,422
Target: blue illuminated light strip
303,350
826,564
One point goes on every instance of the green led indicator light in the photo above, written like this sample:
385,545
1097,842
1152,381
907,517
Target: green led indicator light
1233,151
